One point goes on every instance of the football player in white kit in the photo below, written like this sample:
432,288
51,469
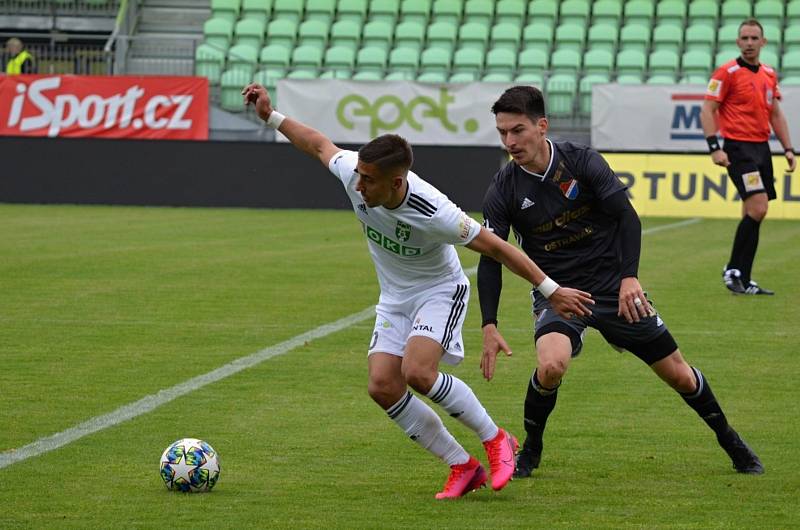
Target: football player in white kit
411,228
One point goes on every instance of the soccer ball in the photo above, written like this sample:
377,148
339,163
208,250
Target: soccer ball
189,465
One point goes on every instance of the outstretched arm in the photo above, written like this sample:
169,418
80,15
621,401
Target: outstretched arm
303,137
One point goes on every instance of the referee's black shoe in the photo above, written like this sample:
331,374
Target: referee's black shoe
733,281
754,288
743,458
528,458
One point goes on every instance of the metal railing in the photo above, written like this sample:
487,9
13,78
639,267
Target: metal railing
50,8
84,57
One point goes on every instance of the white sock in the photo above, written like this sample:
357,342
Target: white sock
425,427
454,396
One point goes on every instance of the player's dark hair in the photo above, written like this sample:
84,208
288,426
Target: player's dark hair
526,100
751,22
389,152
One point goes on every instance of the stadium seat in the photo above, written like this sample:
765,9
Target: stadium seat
409,34
403,64
602,37
631,63
346,33
321,10
385,11
442,35
570,37
704,12
791,81
274,57
561,90
530,78
218,32
723,56
634,37
307,57
700,37
770,58
249,31
671,12
356,11
575,12
479,12
668,37
314,33
231,84
449,11
418,11
769,12
664,62
473,35
289,10
302,73
510,12
269,78
208,61
339,61
501,61
435,60
639,12
464,77
257,9
283,32
371,58
566,61
468,60
538,35
597,61
242,57
225,9
696,64
585,91
432,77
607,12
791,64
773,36
367,75
661,79
735,11
377,34
544,11
505,35
497,77
533,60
792,13
791,39
727,35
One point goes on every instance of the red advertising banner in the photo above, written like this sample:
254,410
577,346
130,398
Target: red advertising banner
155,107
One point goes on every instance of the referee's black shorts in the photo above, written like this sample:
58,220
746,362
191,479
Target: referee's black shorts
751,167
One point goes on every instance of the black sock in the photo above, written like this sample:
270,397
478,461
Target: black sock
744,247
705,404
539,403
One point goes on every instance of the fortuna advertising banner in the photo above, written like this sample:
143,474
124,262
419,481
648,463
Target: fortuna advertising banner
154,107
663,118
424,114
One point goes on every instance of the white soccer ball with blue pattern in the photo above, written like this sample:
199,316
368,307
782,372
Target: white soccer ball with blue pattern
189,465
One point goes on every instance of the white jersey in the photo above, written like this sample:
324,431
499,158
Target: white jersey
411,245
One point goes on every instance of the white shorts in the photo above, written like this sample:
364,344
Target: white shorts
437,313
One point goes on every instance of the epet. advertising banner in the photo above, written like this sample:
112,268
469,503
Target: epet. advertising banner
424,114
655,118
692,186
155,107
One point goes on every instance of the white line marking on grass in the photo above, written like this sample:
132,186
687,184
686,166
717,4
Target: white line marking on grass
148,403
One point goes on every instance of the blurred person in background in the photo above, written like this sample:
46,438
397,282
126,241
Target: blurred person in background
19,60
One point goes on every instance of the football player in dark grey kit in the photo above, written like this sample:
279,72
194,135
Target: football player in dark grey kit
571,214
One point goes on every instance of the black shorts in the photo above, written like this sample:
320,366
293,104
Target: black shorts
649,339
751,167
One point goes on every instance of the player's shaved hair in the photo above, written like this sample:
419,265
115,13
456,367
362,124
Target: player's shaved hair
752,22
389,152
526,100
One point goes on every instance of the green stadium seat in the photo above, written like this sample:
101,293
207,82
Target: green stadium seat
694,80
403,61
257,9
356,11
607,12
208,62
290,10
769,12
367,75
668,37
791,39
449,11
634,37
544,11
530,78
704,12
727,35
307,57
218,32
603,37
464,77
631,62
533,60
473,35
769,58
561,91
385,10
377,34
575,12
639,12
249,31
371,58
510,12
399,76
409,34
661,79
302,73
630,79
339,62
700,37
226,9
442,35
321,10
274,57
468,60
335,74
566,61
505,35
671,12
597,61
231,84
479,12
501,61
723,56
418,11
242,57
735,11
269,78
432,77
346,33
791,64
791,81
774,37
435,60
792,13
313,32
538,35
283,32
570,37
497,77
664,62
696,64
585,91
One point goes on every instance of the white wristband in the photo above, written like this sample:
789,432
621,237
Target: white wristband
547,287
275,119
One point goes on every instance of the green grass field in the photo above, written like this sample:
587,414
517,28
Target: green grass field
101,306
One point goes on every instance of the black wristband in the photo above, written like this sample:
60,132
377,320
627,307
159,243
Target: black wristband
489,321
713,143
789,149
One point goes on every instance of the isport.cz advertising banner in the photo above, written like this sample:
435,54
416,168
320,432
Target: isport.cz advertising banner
424,114
692,186
154,107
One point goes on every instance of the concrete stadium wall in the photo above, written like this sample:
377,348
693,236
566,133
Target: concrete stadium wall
187,173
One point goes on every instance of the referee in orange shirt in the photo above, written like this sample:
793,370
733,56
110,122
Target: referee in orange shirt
742,98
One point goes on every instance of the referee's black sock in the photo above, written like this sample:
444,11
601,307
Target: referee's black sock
745,243
705,404
539,403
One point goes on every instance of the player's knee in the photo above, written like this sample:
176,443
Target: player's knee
757,210
384,392
419,377
550,371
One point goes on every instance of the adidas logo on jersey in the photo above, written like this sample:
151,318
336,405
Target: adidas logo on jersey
526,203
